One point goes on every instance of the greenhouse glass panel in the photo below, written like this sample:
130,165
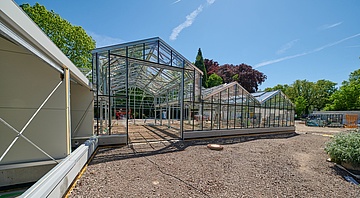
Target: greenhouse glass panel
148,86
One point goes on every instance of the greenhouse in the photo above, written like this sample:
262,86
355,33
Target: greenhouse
146,90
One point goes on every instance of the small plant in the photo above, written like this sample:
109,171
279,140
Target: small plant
345,148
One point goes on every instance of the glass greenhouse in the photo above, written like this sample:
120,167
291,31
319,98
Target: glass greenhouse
147,90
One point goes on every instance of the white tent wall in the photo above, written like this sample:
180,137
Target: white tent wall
26,81
38,116
82,112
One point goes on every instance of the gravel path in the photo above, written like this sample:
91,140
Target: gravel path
292,166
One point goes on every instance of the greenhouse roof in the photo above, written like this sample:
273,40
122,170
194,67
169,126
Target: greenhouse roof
264,96
152,65
236,93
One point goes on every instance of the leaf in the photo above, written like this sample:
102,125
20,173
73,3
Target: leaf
71,40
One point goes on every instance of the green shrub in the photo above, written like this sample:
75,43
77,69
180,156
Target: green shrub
345,147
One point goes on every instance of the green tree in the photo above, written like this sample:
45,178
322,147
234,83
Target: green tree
323,90
199,63
307,96
214,80
348,95
283,88
300,105
71,40
236,77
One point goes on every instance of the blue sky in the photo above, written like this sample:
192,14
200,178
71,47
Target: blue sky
285,39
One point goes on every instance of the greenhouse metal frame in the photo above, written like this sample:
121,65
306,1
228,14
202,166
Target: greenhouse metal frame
147,85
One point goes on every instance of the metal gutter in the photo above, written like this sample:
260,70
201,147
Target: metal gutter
56,182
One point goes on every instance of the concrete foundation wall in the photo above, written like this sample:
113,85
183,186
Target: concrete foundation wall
219,133
30,172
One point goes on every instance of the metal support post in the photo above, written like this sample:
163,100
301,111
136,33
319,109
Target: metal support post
182,102
68,111
168,108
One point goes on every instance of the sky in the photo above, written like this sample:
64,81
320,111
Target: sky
287,40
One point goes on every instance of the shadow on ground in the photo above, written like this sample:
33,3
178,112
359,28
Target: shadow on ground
345,174
114,153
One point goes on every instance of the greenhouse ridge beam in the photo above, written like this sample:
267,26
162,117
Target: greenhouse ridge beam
154,39
153,71
158,65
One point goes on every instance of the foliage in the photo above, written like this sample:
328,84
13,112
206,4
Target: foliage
283,88
348,96
71,40
211,66
199,63
324,89
345,147
307,96
300,105
214,80
245,75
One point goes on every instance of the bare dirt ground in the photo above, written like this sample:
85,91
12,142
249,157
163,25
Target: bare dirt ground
267,166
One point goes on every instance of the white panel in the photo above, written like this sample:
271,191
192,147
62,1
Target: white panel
82,111
10,34
25,82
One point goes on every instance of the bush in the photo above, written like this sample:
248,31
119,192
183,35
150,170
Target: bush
345,147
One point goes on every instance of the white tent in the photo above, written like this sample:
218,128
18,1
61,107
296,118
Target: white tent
45,101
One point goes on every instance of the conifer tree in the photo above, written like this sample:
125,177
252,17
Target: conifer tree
199,63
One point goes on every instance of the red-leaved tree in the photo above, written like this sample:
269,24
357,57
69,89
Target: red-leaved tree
211,66
244,74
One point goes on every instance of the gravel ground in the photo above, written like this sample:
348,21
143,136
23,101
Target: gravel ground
289,166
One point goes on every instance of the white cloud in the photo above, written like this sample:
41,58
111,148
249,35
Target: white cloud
287,46
335,43
353,46
189,20
304,53
279,60
327,26
210,1
103,40
177,1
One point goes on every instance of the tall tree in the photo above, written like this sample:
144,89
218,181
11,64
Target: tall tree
308,96
71,40
283,88
348,95
226,72
249,78
211,66
199,63
245,75
214,80
323,90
